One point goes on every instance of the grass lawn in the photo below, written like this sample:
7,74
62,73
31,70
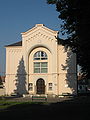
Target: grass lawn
4,104
74,109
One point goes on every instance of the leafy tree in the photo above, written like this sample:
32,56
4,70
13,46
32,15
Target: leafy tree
76,23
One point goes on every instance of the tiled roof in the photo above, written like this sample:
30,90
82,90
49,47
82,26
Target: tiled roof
15,44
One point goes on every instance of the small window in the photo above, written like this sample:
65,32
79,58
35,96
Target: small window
50,86
30,86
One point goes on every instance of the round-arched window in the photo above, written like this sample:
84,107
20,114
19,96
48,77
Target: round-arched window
40,61
40,55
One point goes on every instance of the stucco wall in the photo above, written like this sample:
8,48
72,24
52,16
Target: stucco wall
13,57
67,78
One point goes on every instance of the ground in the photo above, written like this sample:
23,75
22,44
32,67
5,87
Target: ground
77,108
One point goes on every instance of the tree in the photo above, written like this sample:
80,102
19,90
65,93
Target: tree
20,79
76,23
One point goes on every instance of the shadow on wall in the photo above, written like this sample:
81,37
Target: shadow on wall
20,79
70,67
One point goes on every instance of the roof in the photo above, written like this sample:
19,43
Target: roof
40,26
15,44
24,33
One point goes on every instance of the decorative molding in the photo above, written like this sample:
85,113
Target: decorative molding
39,26
39,35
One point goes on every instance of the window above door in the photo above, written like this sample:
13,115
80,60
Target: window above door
40,55
40,62
40,67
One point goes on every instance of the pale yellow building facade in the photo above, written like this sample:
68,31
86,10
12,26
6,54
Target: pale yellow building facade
40,65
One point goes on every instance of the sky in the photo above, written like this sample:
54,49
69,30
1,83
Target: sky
17,16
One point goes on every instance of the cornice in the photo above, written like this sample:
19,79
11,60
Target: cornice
40,26
13,47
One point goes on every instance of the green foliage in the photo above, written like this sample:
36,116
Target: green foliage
76,17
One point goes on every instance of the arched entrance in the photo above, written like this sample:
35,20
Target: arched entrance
40,85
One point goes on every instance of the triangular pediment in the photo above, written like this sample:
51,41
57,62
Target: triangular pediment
39,28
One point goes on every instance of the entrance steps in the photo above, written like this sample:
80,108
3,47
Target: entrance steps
39,98
36,97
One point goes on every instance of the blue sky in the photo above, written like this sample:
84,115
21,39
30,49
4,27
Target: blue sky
18,16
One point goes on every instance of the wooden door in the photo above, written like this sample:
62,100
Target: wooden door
40,86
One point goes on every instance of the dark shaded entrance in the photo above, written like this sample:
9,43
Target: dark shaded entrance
40,84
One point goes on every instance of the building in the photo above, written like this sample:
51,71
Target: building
2,89
2,81
39,64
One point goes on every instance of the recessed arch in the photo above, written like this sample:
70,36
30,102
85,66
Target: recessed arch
31,49
29,57
37,46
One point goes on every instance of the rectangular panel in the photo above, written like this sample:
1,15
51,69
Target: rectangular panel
44,64
37,64
36,70
43,70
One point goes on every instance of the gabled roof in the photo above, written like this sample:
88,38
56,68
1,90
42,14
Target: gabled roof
15,44
39,26
32,29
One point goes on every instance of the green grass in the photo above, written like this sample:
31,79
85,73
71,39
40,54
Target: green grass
4,104
74,109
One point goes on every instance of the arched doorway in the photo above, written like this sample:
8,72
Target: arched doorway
40,84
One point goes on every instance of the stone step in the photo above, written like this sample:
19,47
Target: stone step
43,98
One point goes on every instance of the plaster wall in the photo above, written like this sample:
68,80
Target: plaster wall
13,57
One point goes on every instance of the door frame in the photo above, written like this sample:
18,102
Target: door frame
42,87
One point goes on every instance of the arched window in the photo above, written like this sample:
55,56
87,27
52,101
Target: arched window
40,61
40,55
